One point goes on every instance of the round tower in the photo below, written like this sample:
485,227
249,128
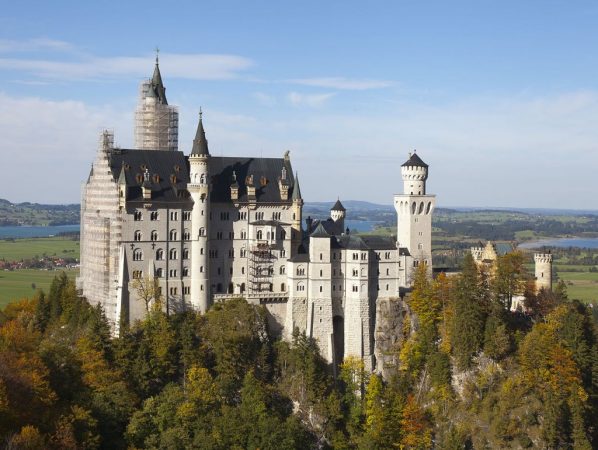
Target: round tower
543,263
337,214
199,189
414,173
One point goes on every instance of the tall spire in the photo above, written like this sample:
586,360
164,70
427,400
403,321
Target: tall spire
200,143
157,84
296,189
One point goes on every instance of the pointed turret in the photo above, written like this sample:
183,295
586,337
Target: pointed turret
200,143
296,190
338,206
157,85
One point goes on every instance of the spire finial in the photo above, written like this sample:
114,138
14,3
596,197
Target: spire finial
200,113
157,55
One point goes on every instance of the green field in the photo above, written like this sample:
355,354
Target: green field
18,249
17,284
582,286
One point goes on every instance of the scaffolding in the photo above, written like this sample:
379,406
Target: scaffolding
156,123
261,268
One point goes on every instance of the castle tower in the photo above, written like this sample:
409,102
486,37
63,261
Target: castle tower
199,189
414,213
543,271
296,232
320,295
337,214
156,123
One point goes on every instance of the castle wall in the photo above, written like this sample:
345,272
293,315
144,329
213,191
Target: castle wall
101,235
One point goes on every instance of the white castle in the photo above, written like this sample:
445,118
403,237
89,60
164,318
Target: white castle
209,228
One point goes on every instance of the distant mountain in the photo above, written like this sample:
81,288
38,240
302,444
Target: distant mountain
37,214
350,204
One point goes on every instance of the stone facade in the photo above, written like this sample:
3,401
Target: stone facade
211,228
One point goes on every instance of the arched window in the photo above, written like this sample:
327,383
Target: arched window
259,235
137,235
137,255
186,235
154,235
173,235
230,288
185,253
282,270
173,253
413,207
137,216
242,287
137,274
159,254
159,272
283,288
283,235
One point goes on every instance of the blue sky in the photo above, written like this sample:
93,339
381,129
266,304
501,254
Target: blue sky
500,98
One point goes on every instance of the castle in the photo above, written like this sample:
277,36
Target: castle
487,256
209,228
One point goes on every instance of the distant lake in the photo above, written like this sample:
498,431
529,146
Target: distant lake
29,232
361,225
563,242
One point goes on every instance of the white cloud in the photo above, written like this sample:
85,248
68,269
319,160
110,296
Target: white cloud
48,146
36,44
189,66
264,99
342,83
311,100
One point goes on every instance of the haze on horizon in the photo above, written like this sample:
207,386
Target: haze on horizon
501,100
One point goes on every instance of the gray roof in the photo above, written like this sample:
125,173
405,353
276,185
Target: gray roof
200,143
296,190
338,206
300,257
169,173
272,223
356,242
320,232
157,86
265,171
502,248
414,160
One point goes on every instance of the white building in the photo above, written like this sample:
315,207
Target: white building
211,228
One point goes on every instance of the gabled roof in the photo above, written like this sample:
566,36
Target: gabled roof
338,206
168,173
265,173
200,143
319,232
414,160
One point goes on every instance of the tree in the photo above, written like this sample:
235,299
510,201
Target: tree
510,278
147,290
470,314
417,433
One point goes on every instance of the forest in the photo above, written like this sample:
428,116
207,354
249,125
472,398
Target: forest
471,374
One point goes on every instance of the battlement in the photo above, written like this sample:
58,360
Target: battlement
545,258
